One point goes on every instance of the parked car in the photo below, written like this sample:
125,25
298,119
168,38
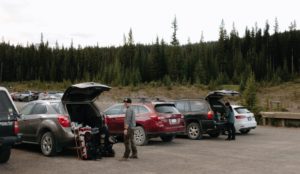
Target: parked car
46,123
199,113
244,119
25,96
14,95
153,119
9,130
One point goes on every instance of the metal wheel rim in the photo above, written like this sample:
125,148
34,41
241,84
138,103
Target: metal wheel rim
139,136
194,131
46,144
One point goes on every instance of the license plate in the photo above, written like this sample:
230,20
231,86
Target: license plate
249,118
173,121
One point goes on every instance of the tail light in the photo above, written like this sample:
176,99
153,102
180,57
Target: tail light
240,116
16,127
63,121
210,115
155,117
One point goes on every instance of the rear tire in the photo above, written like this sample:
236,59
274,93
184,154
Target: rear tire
245,131
194,131
167,138
48,144
140,136
4,153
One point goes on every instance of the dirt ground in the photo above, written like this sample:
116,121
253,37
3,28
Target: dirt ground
263,150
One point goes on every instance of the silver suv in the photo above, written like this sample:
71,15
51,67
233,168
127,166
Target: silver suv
45,122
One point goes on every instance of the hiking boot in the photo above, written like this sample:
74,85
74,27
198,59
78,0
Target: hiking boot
123,159
133,157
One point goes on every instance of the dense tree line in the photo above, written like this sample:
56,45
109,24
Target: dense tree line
231,59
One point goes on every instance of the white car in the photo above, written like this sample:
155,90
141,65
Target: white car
244,119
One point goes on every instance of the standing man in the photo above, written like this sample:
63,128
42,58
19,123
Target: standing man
129,124
230,121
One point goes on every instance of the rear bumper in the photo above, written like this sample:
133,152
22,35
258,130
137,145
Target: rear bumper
11,140
245,125
67,139
167,130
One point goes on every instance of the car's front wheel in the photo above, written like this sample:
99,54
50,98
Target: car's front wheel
194,131
140,136
48,145
4,154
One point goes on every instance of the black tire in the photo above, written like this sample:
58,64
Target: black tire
26,99
245,131
4,153
48,144
214,134
167,138
140,136
194,131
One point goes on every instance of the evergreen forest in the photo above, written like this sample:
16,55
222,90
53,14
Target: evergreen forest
229,60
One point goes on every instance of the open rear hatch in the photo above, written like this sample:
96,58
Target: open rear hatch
214,98
79,99
220,94
84,92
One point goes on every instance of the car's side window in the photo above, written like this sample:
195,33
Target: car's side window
27,109
142,110
116,110
135,109
198,106
39,109
139,109
6,107
182,106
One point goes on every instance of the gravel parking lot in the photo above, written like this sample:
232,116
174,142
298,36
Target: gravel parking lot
265,150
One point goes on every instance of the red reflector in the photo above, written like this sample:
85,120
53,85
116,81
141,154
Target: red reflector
240,116
63,121
210,115
16,127
155,117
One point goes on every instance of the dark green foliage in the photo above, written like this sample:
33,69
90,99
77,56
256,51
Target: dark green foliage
249,94
230,60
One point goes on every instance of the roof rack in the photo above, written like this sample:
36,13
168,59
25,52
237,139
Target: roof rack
147,99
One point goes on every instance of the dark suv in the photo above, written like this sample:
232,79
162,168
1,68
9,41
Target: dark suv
153,119
9,130
199,113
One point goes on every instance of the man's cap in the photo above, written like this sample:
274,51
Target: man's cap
127,100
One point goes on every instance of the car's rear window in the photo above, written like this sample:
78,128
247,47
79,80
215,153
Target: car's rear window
167,109
242,110
7,111
58,107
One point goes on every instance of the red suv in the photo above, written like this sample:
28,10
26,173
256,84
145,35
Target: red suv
153,119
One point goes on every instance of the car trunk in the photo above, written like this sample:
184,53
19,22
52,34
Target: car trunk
168,114
79,102
214,98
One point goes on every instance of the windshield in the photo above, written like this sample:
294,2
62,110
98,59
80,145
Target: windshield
169,109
